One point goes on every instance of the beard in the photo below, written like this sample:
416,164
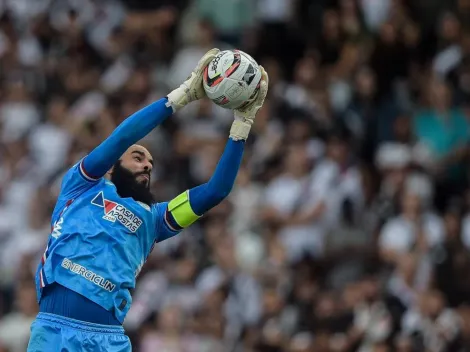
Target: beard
127,185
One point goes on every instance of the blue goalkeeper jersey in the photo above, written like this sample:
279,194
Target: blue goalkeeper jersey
100,241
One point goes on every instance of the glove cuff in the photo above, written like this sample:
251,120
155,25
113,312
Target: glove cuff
240,130
177,98
169,104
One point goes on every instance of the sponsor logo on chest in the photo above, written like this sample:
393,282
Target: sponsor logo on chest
114,211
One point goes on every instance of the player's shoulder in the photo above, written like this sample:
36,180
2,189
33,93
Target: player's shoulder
78,171
77,175
76,181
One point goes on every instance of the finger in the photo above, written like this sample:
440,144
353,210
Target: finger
207,58
264,85
263,91
213,52
264,75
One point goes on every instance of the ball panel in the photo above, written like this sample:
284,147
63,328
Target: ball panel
222,100
249,74
232,69
235,64
212,82
235,90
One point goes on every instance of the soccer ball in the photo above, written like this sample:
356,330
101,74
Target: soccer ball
232,79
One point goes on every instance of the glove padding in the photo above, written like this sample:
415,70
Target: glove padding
191,89
245,116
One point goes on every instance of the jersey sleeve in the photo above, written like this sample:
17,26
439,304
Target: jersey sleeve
129,132
164,228
76,181
94,166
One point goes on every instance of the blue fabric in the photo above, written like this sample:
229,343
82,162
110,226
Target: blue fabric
59,300
208,195
99,241
442,134
133,129
53,333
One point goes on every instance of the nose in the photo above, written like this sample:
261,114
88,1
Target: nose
148,166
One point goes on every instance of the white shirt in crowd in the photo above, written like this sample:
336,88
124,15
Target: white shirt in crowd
287,194
243,306
326,184
400,234
49,145
436,333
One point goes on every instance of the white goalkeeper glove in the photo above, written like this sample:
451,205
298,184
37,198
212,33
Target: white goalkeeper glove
191,89
245,116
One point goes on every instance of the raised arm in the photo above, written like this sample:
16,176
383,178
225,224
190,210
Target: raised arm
137,126
208,195
189,206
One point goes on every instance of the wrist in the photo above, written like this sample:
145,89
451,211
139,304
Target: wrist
240,130
168,104
177,98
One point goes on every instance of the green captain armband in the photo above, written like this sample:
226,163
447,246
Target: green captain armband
181,210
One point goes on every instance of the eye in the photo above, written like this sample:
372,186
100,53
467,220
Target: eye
138,158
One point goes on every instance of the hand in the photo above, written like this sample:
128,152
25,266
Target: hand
245,116
191,89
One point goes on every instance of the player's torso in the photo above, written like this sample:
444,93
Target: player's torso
102,219
98,244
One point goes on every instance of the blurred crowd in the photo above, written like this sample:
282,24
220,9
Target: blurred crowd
349,225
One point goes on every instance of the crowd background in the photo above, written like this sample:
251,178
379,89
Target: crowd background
349,225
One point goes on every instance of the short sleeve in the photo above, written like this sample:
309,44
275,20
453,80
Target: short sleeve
164,229
76,181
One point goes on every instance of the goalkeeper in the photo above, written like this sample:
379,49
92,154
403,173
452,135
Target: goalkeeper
106,222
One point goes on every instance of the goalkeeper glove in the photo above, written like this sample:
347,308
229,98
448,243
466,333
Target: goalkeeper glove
191,89
245,116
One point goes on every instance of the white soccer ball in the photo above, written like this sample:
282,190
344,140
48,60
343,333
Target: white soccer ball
232,79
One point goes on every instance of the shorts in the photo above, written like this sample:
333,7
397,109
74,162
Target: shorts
54,333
